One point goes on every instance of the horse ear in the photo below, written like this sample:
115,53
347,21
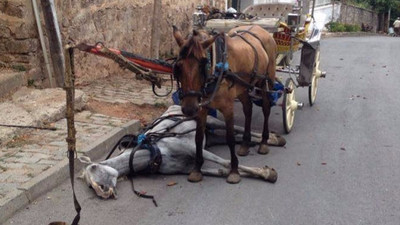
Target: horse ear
178,36
84,159
205,44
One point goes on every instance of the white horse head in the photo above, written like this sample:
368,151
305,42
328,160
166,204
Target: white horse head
102,178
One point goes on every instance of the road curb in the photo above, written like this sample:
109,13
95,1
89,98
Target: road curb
54,176
349,34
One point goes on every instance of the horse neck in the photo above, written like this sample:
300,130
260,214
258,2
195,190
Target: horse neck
140,162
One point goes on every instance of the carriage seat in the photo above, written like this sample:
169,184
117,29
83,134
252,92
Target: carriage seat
275,10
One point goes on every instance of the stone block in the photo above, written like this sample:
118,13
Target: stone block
11,81
21,46
13,8
24,31
4,31
48,104
15,115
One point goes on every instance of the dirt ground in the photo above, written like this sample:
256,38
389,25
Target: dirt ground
145,113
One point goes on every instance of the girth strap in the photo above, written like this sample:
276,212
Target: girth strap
255,67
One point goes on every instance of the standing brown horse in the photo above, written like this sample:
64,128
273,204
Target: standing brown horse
251,53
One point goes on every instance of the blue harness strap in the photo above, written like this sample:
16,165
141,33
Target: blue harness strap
273,95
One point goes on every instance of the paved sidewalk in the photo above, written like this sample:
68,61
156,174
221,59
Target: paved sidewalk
33,162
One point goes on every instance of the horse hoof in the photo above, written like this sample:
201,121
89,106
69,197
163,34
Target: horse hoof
263,149
233,178
276,140
273,176
243,150
195,176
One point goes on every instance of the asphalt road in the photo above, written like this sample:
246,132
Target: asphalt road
340,165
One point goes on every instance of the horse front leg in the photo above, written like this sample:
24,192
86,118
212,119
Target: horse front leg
195,175
266,108
234,176
247,110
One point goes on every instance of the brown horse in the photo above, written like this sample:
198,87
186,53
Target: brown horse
251,53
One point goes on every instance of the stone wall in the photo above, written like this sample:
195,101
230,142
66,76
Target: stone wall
18,37
354,15
123,24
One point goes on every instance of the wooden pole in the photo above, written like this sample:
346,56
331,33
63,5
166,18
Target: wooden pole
41,38
155,30
388,20
55,43
69,87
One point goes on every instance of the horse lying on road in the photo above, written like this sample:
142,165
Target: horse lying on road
177,150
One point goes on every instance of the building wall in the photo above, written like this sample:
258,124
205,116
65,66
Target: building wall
353,15
123,24
18,37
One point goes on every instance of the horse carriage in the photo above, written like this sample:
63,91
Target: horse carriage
292,31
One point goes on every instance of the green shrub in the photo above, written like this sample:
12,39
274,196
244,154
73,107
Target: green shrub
352,28
340,27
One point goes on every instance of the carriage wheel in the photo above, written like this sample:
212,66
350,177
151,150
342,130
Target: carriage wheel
289,106
313,88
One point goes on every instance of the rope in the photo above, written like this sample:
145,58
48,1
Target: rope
28,127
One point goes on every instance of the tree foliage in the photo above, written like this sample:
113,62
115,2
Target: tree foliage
382,5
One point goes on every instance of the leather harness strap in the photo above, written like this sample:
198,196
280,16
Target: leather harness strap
139,194
254,35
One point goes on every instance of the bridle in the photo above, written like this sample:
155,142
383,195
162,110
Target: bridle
191,93
210,83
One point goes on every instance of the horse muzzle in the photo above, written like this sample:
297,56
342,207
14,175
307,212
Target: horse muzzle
190,111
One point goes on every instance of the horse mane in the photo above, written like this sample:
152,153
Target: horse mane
192,48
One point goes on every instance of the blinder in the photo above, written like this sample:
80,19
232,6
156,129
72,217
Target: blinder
177,72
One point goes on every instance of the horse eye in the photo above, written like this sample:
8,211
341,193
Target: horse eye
93,167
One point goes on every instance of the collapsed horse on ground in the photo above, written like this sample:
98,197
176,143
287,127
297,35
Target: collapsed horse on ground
247,62
168,148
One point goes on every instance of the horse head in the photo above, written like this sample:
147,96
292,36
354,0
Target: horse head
102,178
190,68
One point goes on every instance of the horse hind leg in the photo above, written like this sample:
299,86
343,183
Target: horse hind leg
265,173
266,108
216,124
